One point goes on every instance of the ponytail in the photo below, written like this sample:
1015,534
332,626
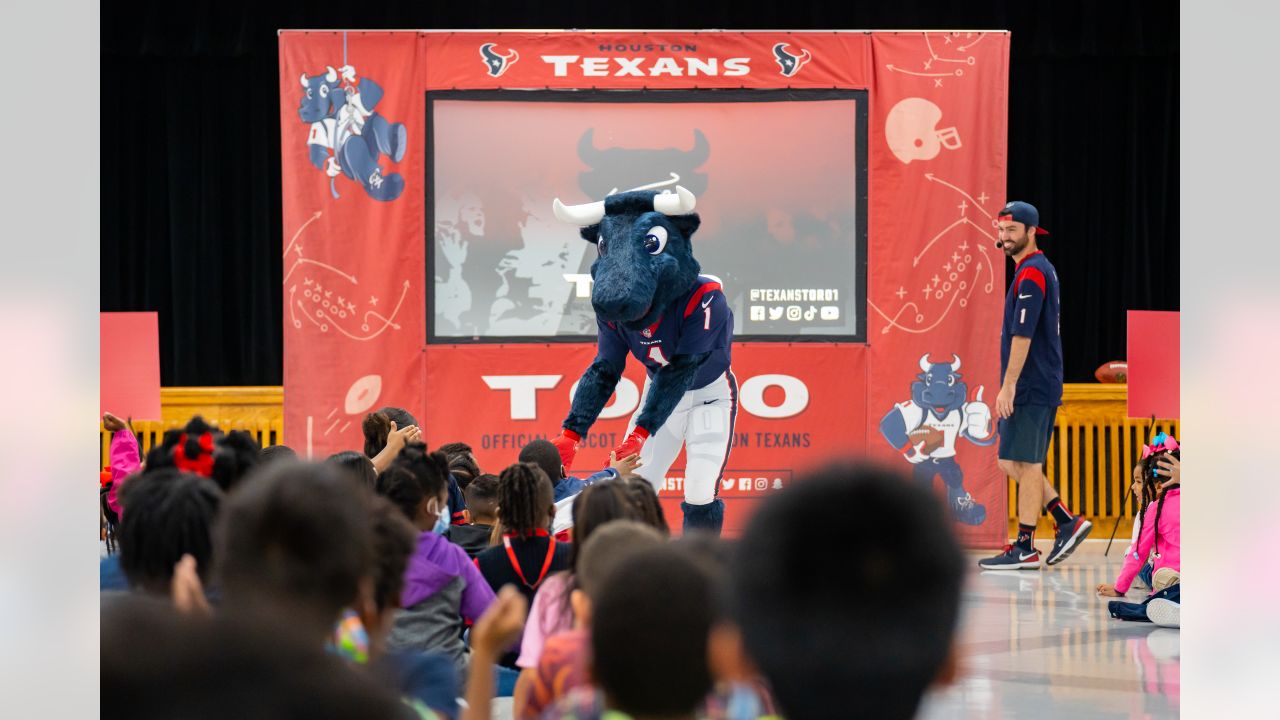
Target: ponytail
376,426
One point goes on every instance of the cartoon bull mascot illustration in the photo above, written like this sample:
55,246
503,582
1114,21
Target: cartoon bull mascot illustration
348,136
925,429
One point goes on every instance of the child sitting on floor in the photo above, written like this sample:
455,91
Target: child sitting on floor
1159,525
552,611
482,510
846,590
650,629
564,661
441,586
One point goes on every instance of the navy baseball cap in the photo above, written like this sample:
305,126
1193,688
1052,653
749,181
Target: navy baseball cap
1024,213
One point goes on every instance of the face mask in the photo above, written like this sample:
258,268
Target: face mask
442,521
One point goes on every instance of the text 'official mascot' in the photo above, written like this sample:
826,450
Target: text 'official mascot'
651,301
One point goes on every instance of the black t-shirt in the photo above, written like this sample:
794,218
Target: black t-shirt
472,538
531,553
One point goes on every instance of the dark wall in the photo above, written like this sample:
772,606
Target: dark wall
191,151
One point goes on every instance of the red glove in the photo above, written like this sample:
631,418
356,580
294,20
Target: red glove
567,443
632,444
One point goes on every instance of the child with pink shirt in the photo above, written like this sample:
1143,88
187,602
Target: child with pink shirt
124,458
1159,525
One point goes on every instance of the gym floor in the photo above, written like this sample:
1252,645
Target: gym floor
1041,644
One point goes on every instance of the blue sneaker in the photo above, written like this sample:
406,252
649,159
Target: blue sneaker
1013,558
1068,538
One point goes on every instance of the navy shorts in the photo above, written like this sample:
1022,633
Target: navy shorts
1025,435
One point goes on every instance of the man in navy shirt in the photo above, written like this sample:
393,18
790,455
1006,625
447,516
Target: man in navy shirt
1031,368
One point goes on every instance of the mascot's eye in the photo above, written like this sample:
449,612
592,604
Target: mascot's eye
324,91
600,244
308,93
951,380
656,240
928,379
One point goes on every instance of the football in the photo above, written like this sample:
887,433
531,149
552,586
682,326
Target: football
1116,371
931,437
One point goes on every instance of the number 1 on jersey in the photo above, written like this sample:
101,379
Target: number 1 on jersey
655,354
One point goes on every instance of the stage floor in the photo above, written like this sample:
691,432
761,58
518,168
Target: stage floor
1040,644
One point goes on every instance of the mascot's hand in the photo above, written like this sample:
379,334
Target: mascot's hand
348,73
332,169
633,443
915,454
977,418
567,443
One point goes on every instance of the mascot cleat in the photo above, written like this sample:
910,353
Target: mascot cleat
384,188
966,511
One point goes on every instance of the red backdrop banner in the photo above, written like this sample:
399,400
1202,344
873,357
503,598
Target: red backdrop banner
130,366
1154,364
367,320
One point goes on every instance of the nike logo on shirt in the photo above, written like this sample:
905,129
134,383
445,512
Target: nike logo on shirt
1023,297
708,302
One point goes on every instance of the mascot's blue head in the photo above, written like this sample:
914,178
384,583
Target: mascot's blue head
646,254
321,96
938,387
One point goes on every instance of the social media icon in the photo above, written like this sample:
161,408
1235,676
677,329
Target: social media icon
777,483
744,484
762,484
775,312
830,312
757,313
810,314
794,312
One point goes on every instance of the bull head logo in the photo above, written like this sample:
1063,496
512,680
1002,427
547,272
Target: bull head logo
789,62
495,63
619,167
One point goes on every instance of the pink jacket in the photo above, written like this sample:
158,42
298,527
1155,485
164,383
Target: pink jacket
1170,540
125,461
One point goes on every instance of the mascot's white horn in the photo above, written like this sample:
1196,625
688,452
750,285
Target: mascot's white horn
583,215
679,203
303,80
924,363
955,362
331,75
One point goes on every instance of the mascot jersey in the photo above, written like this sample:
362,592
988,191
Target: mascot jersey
699,321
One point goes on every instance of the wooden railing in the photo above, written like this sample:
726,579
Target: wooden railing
258,410
1094,445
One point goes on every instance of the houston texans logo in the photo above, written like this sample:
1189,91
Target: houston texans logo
789,62
497,64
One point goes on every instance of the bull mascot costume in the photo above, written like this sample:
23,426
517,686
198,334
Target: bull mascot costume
651,301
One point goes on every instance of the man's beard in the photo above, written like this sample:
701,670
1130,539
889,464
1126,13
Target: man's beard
1017,247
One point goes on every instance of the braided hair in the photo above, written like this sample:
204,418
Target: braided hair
1151,491
525,498
413,478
